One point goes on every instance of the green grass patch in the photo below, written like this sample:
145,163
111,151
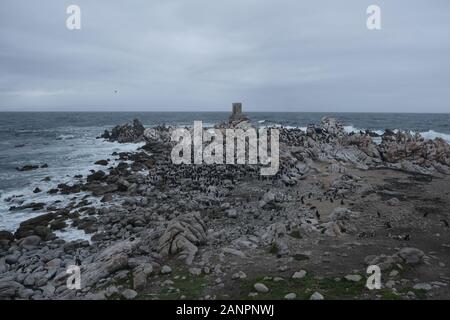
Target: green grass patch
273,249
304,288
187,285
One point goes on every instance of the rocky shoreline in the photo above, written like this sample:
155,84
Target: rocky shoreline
338,203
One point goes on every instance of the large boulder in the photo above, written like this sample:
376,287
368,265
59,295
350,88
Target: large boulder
182,236
126,133
411,256
10,289
107,262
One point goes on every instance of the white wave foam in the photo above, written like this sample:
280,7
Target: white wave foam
75,159
431,135
65,137
71,234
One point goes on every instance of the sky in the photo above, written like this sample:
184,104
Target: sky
202,55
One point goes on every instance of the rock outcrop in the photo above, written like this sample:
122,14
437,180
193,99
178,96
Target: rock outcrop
126,133
182,237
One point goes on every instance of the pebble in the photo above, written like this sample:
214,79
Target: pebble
299,274
316,296
129,294
290,296
278,279
260,287
393,273
353,277
239,275
195,271
166,270
422,286
11,259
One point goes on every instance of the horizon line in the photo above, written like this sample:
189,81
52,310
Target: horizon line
215,111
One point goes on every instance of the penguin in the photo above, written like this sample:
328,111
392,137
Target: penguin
342,201
378,214
331,200
445,222
302,199
317,215
77,261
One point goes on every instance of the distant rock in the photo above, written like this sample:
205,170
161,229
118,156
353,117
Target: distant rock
97,175
126,133
102,162
27,167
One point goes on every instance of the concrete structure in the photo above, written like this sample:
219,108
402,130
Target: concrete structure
237,109
237,114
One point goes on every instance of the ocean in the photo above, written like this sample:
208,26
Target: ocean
67,143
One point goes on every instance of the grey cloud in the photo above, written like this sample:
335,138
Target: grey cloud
270,54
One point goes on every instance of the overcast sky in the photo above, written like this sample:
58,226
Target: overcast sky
277,55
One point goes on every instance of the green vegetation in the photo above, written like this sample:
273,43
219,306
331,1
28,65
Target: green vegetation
303,288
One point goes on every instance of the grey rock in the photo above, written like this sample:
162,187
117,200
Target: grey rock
290,296
316,296
11,259
166,270
10,289
30,241
195,271
129,294
261,288
423,286
29,280
299,274
182,237
411,255
353,277
239,275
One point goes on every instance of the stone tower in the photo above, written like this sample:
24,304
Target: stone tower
237,115
237,109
